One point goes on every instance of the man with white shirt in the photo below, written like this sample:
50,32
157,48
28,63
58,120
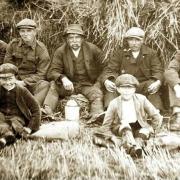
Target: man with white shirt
75,68
139,61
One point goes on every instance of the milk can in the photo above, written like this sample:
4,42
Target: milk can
72,110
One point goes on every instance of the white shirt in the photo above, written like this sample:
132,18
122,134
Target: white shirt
76,52
128,112
135,54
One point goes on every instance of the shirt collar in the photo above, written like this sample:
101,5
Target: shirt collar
144,50
33,45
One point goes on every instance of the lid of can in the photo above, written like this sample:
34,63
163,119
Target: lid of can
71,102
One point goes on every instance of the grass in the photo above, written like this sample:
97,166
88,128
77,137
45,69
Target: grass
105,23
81,159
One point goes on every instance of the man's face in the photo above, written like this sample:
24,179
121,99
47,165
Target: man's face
135,43
8,82
74,41
28,35
126,92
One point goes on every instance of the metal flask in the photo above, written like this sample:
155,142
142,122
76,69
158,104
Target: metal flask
72,110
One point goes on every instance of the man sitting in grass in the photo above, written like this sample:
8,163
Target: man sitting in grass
126,115
19,111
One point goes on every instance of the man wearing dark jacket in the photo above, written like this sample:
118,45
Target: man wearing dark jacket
19,111
32,59
75,68
139,61
172,77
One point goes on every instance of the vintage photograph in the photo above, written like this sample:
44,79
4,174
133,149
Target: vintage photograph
89,89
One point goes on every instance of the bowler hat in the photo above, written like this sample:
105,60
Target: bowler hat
7,70
126,80
135,32
74,29
26,23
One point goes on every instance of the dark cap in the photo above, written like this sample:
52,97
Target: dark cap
7,70
126,80
26,23
74,29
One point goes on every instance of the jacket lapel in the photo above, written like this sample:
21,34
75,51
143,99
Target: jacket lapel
87,56
69,60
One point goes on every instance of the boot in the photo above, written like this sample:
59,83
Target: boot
10,138
2,143
131,145
97,112
175,123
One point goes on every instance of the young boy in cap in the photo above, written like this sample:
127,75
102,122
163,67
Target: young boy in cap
19,111
126,115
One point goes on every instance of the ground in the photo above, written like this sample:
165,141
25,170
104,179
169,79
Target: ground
80,159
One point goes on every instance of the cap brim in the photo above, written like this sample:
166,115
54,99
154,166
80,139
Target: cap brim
6,75
26,27
137,37
74,32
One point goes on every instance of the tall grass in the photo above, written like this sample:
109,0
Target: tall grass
80,159
104,22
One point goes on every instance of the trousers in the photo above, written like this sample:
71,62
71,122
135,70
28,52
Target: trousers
92,92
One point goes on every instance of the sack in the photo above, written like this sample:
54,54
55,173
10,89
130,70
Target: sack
58,130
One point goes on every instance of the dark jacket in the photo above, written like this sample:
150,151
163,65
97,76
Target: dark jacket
172,74
28,106
148,62
62,64
3,46
32,61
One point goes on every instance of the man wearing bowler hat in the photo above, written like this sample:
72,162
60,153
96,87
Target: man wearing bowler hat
75,68
139,61
32,59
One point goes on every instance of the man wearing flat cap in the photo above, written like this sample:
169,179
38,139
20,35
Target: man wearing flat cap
19,111
32,59
75,68
139,61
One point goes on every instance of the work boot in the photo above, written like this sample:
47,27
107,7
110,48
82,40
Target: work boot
175,123
2,143
136,151
96,118
10,138
47,110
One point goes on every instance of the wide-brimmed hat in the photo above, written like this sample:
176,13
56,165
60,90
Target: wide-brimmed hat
135,32
126,80
26,23
74,29
7,70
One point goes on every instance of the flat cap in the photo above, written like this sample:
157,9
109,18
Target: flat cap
135,32
7,70
26,23
126,80
74,29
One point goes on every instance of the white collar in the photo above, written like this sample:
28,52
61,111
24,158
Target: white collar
76,52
